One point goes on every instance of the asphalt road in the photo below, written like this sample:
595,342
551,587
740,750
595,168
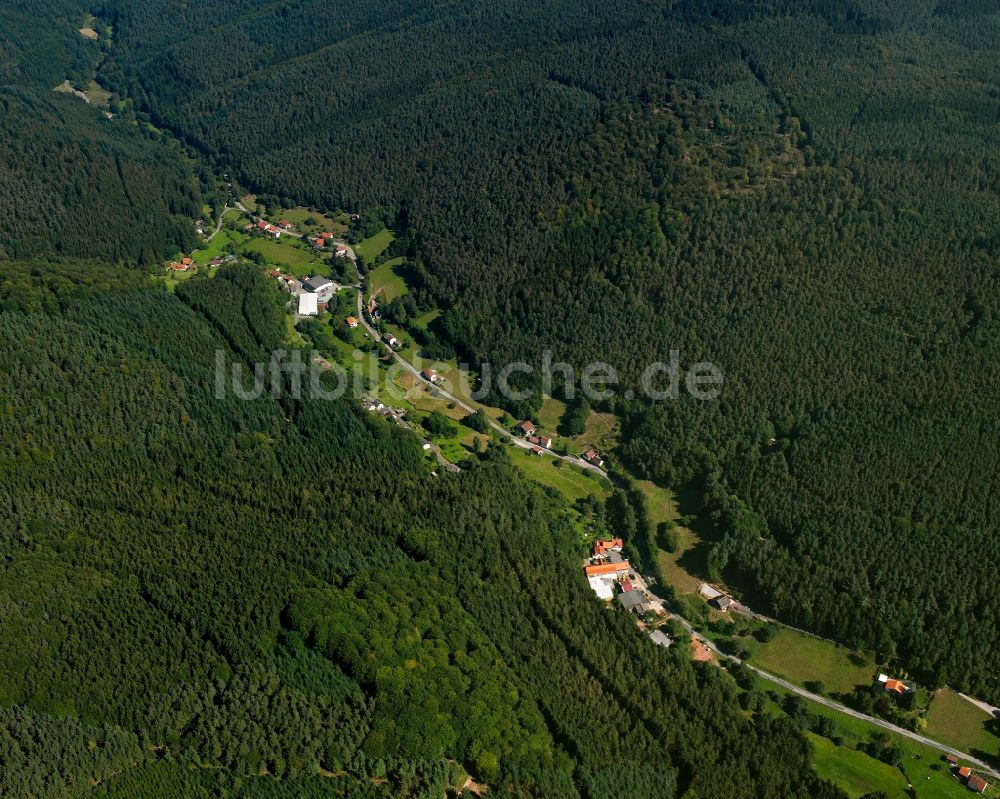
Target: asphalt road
518,441
772,678
847,711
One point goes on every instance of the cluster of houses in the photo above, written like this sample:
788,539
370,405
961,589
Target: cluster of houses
263,227
186,264
974,782
612,578
393,414
182,265
527,431
313,293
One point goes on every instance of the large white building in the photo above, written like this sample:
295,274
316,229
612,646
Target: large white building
308,304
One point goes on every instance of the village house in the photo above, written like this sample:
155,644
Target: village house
321,286
897,687
545,442
391,340
604,546
660,638
598,569
536,451
977,784
527,428
342,250
352,322
721,602
635,602
430,376
284,224
268,229
591,457
604,576
319,242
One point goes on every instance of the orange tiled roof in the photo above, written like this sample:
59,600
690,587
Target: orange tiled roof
606,568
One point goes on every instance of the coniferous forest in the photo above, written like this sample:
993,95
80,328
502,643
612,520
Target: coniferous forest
805,194
213,594
275,598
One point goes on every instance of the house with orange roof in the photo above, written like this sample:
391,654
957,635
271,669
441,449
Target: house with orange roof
609,545
964,772
352,322
897,687
599,569
977,784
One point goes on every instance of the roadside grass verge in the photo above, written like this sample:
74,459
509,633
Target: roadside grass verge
801,658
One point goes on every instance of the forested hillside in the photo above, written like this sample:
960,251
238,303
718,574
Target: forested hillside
275,598
804,193
73,182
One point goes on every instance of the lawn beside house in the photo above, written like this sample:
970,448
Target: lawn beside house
957,722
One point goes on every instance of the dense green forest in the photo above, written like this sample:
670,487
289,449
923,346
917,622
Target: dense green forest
805,194
276,598
73,182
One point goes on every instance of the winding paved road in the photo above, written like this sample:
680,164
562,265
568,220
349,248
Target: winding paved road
829,703
772,678
518,441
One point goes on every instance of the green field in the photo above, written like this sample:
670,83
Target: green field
217,246
424,320
802,658
293,256
321,222
386,282
956,722
550,414
371,248
572,482
858,773
855,772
